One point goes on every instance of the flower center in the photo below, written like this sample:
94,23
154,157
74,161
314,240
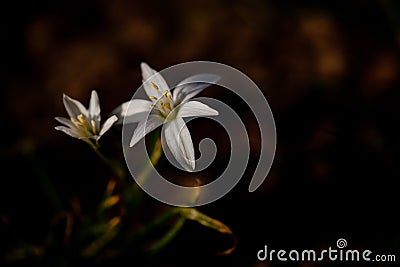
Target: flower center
164,103
84,126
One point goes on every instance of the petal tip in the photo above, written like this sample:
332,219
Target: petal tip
131,144
144,66
94,94
114,118
190,168
65,96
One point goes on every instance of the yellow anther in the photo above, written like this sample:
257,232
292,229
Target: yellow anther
154,86
165,94
162,104
153,98
168,106
82,119
93,125
169,96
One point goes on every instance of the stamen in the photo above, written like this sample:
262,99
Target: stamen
153,98
163,106
93,126
154,86
168,105
82,119
165,94
169,96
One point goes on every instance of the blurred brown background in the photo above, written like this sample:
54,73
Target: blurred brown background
329,70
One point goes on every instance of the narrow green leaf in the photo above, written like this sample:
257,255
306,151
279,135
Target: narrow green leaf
195,215
168,236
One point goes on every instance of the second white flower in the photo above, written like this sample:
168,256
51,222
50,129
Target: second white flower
168,108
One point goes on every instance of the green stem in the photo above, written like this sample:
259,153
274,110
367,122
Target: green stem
160,219
134,194
117,169
161,243
155,156
152,225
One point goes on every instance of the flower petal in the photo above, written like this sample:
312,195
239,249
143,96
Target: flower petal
144,127
153,82
74,107
193,85
65,121
94,106
71,132
180,143
195,109
133,111
107,125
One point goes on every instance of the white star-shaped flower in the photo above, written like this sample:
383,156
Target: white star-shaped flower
169,109
84,123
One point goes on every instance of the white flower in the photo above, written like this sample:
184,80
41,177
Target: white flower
169,109
84,124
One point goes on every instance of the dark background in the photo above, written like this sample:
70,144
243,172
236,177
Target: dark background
329,70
